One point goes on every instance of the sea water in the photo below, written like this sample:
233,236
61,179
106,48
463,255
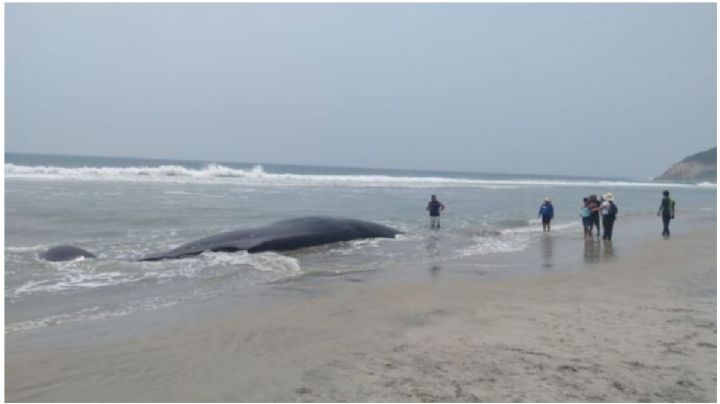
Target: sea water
123,209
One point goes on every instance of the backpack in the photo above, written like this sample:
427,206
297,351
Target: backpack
613,210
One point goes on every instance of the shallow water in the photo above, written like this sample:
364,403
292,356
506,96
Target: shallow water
123,209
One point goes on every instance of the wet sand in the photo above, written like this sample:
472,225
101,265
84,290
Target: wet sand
639,327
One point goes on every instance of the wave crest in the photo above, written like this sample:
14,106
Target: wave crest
257,176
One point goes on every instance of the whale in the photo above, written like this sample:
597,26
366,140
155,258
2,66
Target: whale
284,235
65,253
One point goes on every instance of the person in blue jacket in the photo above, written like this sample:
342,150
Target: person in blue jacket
546,213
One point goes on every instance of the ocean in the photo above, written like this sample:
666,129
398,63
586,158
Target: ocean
122,209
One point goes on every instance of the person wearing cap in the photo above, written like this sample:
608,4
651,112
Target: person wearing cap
609,210
546,212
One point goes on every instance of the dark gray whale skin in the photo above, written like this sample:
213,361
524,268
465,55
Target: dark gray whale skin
65,253
283,235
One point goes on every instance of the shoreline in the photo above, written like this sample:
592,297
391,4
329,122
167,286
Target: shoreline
639,327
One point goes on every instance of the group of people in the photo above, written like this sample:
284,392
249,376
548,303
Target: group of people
591,212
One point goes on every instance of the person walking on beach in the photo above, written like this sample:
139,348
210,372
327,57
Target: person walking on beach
594,206
546,212
585,216
667,211
435,206
609,214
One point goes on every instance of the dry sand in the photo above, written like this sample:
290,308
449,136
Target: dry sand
637,328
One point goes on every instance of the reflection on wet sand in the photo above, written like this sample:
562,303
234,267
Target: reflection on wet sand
547,251
595,249
592,247
608,250
432,253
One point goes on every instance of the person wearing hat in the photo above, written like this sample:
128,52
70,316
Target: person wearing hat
546,213
609,213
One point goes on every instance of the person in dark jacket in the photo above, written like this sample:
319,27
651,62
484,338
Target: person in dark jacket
667,211
609,214
546,212
435,206
594,206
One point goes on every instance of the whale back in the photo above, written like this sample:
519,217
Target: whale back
283,235
65,253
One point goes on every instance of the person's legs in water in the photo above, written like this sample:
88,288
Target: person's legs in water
607,229
434,222
666,226
595,222
546,225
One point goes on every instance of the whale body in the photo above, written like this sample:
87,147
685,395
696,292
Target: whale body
65,253
288,234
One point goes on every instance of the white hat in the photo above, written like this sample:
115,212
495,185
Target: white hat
547,199
608,196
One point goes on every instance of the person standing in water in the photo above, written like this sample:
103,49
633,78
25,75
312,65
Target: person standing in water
594,206
435,206
609,214
586,219
546,212
667,211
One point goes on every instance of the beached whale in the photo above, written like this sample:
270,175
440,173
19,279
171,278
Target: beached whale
288,234
65,253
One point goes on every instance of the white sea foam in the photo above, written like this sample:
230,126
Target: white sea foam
257,176
265,261
85,275
535,227
75,279
94,313
491,245
24,249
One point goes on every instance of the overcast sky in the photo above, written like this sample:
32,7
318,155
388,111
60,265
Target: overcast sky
609,89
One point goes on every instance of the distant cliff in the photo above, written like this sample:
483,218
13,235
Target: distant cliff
700,167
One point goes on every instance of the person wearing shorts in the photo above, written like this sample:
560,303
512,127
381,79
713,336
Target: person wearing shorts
586,217
435,206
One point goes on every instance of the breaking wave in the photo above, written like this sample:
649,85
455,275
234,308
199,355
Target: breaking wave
257,176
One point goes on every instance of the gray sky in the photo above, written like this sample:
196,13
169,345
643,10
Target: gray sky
609,90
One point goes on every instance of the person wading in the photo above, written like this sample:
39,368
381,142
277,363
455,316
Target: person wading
609,213
546,212
435,206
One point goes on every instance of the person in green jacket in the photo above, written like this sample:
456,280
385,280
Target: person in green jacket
667,211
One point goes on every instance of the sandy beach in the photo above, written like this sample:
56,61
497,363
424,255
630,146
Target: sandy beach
638,328
361,202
